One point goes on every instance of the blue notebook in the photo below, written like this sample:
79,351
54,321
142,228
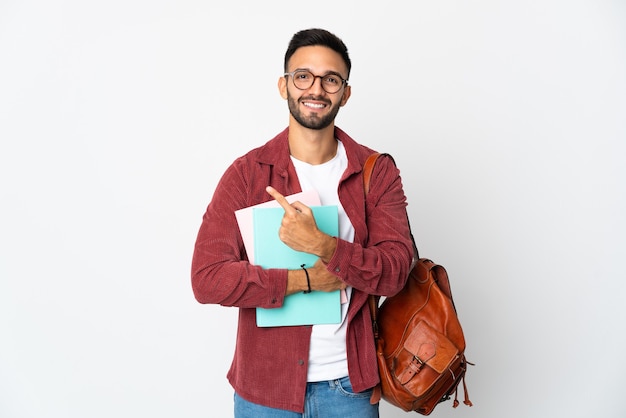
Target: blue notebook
270,252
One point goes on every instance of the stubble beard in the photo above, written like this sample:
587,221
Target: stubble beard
313,121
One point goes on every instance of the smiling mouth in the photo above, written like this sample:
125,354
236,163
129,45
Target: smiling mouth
314,105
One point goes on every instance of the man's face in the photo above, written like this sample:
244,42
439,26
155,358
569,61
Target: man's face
314,108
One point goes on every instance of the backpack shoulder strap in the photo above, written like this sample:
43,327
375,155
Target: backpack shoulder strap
368,168
373,300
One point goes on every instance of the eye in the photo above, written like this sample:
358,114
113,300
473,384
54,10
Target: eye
332,79
302,75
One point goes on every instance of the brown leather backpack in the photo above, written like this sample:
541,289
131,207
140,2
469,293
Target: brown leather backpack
420,346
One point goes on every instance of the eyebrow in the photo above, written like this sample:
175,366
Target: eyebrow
325,74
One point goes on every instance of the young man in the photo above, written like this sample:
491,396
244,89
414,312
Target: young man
320,370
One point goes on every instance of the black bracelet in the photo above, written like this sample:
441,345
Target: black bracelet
308,281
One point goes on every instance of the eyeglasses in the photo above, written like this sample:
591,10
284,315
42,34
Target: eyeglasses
304,79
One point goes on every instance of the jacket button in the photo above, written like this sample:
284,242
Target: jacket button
337,269
300,362
274,300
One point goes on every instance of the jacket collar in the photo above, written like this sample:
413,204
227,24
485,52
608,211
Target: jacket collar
276,152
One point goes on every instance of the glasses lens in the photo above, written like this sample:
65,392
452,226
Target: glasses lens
303,79
331,83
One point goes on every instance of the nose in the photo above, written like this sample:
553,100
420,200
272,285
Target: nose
317,87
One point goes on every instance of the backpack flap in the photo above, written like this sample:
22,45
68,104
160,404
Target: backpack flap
426,347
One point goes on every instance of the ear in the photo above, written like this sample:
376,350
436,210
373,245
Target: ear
347,91
282,87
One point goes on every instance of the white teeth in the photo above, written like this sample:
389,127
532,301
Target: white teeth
316,106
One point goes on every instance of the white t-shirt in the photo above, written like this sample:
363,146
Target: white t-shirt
327,355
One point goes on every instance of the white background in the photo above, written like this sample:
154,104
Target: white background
117,119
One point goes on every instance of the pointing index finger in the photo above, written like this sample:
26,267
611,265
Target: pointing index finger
282,201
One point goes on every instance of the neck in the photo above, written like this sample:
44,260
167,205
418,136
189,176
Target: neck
312,146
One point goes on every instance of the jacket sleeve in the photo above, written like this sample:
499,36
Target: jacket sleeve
220,271
381,262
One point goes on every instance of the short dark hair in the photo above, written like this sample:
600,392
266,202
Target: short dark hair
313,37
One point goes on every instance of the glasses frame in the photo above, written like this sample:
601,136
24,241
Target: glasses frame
344,82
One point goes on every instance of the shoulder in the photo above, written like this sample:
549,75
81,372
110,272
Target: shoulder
357,153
